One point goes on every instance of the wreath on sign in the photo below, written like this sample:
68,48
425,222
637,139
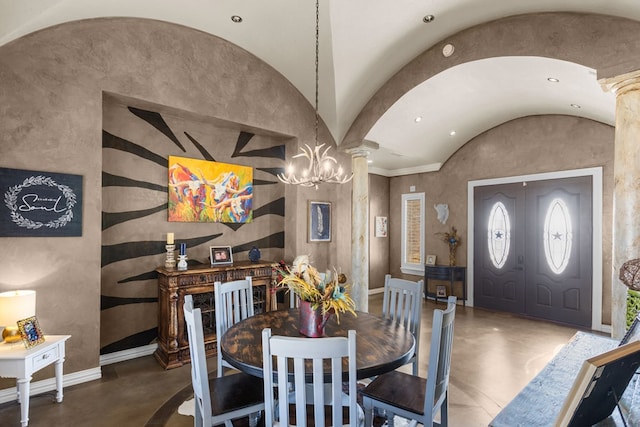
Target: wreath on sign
11,201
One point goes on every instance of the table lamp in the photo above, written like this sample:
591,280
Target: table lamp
14,306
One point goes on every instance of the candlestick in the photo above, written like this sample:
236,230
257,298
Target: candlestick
170,261
183,248
182,264
169,238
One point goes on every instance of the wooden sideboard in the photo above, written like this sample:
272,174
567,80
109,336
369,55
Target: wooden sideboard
173,285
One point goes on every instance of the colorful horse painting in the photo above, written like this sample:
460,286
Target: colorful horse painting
204,191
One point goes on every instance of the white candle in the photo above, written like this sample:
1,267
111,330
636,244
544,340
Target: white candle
169,238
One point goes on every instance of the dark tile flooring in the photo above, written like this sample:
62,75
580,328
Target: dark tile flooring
494,356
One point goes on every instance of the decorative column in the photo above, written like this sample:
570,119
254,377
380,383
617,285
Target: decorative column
360,225
626,196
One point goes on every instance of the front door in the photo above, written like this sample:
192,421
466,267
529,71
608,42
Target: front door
533,249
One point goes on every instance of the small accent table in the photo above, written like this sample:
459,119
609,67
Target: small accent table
449,274
20,363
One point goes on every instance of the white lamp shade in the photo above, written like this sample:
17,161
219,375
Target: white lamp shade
16,305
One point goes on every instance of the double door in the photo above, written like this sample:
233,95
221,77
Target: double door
533,249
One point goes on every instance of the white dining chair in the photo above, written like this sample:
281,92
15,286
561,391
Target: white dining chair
402,303
409,396
317,398
220,399
233,303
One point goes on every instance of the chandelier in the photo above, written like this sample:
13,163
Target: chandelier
320,166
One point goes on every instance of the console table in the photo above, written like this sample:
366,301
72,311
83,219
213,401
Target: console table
198,281
20,363
449,274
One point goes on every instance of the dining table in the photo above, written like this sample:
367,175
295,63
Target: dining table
382,345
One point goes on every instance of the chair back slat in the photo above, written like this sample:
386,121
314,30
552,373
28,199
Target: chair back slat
233,303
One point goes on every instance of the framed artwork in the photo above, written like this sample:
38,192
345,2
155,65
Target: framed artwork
40,204
441,291
206,191
381,226
220,255
319,221
431,260
30,332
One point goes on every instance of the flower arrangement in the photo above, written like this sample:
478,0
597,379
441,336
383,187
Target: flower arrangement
453,240
305,281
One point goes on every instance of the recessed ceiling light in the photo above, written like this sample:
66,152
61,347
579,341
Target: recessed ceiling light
428,18
418,119
448,50
452,133
236,18
575,106
553,80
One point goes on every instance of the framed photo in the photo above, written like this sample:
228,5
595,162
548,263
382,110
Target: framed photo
319,221
30,332
441,291
220,255
431,260
381,226
633,333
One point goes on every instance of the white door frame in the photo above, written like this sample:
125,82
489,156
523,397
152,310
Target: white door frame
596,174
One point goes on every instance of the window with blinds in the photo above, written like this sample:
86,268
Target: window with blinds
413,234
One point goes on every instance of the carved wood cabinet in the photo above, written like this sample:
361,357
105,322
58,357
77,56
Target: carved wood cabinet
173,285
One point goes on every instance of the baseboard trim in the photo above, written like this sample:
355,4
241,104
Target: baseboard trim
131,353
39,387
376,291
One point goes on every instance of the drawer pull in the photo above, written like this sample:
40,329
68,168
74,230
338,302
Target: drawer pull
45,356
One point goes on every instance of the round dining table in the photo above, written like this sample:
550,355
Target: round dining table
381,345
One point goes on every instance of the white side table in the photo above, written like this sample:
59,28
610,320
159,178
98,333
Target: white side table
20,363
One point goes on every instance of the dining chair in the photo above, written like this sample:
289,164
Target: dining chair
402,303
410,396
220,399
317,397
233,303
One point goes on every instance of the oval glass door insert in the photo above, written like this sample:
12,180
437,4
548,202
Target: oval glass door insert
499,235
557,237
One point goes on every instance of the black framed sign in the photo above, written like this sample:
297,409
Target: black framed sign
40,204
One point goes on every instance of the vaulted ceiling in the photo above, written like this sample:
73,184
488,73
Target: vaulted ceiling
363,44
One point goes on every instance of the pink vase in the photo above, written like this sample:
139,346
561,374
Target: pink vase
312,321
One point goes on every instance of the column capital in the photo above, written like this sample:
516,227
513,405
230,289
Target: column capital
363,150
621,84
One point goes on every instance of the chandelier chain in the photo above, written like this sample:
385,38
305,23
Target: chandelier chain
320,164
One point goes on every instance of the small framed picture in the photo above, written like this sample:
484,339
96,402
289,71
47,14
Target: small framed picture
30,332
431,260
381,226
441,291
319,221
220,255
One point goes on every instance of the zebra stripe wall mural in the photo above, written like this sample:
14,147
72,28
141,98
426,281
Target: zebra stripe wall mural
136,143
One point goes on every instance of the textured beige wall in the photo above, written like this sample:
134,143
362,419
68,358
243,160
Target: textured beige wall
378,246
529,145
52,84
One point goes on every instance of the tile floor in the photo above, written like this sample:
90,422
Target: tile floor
494,356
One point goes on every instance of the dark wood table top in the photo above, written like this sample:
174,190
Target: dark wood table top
381,345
